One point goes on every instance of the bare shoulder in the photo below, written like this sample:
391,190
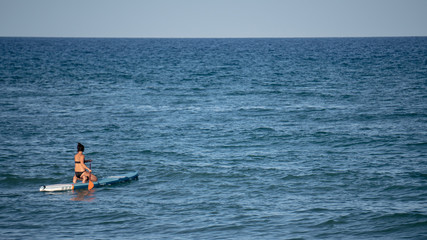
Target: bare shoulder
79,157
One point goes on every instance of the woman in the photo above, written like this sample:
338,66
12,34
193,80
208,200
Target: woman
80,167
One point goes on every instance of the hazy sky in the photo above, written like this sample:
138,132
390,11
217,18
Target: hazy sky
213,18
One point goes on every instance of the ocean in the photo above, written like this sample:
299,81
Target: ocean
305,138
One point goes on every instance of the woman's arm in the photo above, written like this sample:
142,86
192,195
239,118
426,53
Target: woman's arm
84,165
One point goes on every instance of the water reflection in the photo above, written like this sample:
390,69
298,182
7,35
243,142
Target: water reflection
84,195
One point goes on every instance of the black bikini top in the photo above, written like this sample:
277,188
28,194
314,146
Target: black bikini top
84,161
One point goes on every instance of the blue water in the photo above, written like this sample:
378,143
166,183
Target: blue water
233,138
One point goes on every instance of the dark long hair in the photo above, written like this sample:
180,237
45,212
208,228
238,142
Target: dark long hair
80,147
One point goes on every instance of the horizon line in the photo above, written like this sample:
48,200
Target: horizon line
266,37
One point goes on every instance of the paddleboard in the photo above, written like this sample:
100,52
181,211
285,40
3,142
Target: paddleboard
100,183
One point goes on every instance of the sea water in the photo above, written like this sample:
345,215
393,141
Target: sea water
233,138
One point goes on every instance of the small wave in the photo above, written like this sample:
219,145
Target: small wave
314,210
237,93
329,223
421,144
264,129
296,177
320,174
213,228
418,175
205,74
256,109
402,216
401,222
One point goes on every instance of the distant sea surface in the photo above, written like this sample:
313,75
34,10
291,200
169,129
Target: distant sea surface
233,138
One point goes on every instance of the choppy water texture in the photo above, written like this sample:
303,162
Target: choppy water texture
233,138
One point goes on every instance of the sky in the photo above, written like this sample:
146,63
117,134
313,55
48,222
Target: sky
212,18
